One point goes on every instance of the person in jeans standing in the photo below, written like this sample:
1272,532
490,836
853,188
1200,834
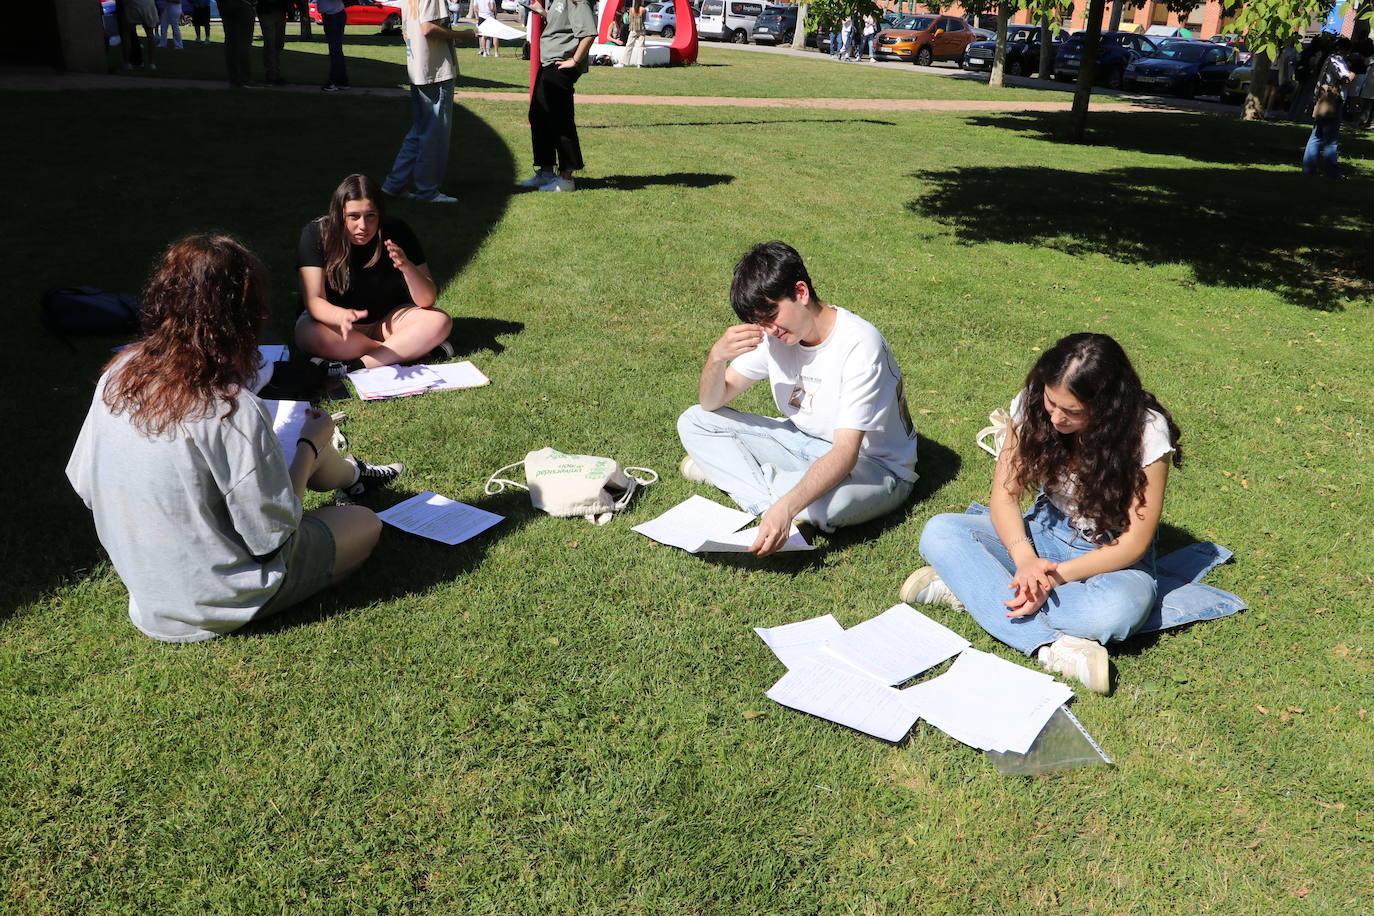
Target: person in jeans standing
236,17
1077,570
1328,109
272,21
334,18
423,158
171,21
569,31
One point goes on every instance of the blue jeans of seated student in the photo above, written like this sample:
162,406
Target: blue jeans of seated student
334,35
756,460
969,557
1322,148
423,158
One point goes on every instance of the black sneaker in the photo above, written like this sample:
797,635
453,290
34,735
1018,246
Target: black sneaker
372,477
332,367
440,354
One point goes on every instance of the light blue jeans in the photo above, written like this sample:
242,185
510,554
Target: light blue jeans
756,460
967,553
423,158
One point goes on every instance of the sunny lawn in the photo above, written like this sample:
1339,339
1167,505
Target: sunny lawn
559,718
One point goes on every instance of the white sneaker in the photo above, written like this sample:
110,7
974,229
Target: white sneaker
1078,658
560,184
540,178
618,65
924,586
689,469
439,198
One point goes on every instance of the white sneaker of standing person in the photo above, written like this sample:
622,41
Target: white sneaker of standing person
1078,658
560,183
540,178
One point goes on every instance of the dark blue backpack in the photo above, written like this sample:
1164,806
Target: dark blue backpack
79,310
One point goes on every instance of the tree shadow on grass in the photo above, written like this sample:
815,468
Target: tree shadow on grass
871,121
475,335
1306,239
1197,137
936,464
640,182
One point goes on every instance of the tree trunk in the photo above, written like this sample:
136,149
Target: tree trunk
1087,72
999,57
1253,107
799,36
1116,16
1046,50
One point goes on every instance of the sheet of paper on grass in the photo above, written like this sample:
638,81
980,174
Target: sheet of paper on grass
700,525
988,702
896,645
458,375
392,381
848,698
439,518
287,419
492,28
801,643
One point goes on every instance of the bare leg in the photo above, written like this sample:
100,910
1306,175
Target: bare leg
325,340
356,530
407,335
332,471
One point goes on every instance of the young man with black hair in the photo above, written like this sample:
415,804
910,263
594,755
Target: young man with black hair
844,451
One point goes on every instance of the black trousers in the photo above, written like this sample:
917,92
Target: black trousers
236,18
553,131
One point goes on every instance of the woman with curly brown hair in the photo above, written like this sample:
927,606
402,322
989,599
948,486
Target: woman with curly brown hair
1077,570
193,497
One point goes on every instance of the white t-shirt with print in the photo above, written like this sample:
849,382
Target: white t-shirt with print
1154,445
848,381
428,59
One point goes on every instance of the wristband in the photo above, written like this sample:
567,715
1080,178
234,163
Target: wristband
313,447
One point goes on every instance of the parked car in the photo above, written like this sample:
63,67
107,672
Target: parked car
1023,51
775,26
367,12
924,40
982,34
660,19
728,20
1187,68
1238,87
1114,52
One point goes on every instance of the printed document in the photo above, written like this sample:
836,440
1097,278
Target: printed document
288,417
847,698
439,518
896,645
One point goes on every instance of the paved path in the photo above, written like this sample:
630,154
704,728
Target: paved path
40,80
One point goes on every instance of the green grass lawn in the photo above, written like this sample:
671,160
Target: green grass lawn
559,718
379,60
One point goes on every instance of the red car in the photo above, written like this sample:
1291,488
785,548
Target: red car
367,12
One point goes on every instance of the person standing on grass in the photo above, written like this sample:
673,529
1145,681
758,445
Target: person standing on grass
333,18
200,20
192,494
236,18
486,45
634,44
844,451
567,37
1328,108
1078,570
140,13
423,159
170,22
272,21
366,291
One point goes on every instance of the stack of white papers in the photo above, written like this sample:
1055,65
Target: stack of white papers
698,525
988,702
287,419
439,518
846,676
404,381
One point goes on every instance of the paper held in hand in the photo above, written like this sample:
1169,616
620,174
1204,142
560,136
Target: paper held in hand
439,518
699,525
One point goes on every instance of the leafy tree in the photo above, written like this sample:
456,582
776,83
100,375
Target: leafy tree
830,14
1269,26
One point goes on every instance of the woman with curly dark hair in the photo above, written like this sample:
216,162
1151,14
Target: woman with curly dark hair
1077,570
193,497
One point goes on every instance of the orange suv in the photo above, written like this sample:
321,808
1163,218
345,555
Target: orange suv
924,40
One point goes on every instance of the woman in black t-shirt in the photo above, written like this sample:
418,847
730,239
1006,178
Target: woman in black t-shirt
365,287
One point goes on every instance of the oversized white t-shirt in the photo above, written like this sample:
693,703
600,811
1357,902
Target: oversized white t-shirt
428,60
1154,445
192,520
850,380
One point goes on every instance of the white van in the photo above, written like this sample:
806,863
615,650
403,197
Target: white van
728,20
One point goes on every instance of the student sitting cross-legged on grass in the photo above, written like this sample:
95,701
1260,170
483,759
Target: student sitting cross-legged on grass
844,451
1078,569
192,495
367,294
